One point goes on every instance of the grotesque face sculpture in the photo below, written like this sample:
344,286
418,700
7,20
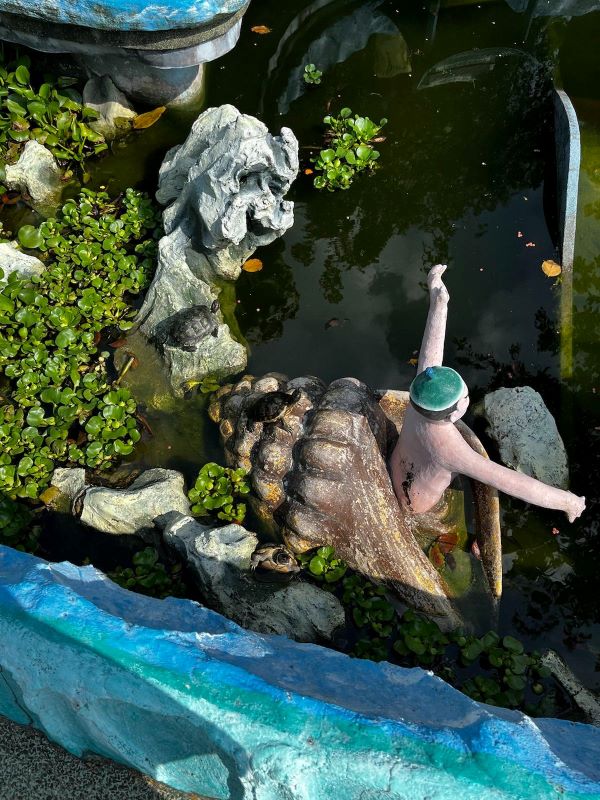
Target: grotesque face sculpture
228,182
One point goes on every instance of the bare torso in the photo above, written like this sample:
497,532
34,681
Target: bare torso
418,478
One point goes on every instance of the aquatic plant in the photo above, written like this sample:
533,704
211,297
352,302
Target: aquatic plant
150,576
215,492
57,404
323,565
50,112
312,75
351,150
16,529
489,668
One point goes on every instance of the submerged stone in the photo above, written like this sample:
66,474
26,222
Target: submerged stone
114,108
220,560
526,434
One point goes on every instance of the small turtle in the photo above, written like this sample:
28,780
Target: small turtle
271,407
273,563
187,328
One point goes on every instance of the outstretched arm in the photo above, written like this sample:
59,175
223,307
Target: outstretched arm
461,458
432,346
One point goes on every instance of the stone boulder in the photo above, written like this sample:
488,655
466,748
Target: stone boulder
116,113
224,189
37,174
220,561
526,434
134,509
13,260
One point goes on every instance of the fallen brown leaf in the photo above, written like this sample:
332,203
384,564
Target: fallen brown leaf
252,265
413,362
260,29
551,268
308,171
149,118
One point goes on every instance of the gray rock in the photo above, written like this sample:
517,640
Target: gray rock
224,189
114,108
37,174
133,510
70,481
13,260
220,561
526,434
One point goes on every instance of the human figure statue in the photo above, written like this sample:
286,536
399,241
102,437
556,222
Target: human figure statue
430,450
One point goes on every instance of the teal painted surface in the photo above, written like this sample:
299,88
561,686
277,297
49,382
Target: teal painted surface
183,694
125,15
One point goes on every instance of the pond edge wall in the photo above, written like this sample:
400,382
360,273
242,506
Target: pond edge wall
188,697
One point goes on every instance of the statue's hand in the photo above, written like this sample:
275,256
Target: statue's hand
574,507
437,290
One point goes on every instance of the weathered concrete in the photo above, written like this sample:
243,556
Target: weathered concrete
188,697
116,113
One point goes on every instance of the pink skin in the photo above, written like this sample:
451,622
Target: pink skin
430,453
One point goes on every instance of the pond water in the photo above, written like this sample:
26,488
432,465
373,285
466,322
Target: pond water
467,178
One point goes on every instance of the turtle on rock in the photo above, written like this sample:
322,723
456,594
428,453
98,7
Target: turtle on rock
187,328
271,407
273,563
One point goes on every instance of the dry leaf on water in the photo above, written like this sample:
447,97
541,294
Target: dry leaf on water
149,118
551,268
252,265
413,362
308,171
260,29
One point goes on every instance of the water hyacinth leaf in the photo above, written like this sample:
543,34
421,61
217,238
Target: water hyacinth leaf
512,644
30,237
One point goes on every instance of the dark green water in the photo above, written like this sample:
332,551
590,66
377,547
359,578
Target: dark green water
465,167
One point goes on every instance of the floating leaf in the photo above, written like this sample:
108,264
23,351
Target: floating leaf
252,265
260,29
149,118
413,362
551,268
308,171
30,237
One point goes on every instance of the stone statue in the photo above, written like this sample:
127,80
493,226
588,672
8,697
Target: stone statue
224,190
318,467
431,451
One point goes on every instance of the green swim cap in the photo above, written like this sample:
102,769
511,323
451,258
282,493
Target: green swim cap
437,389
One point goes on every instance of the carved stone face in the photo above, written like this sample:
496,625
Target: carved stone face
460,409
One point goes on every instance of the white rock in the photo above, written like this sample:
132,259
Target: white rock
13,260
37,174
526,434
116,113
219,558
133,510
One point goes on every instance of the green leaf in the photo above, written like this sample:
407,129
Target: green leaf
30,237
66,338
512,644
22,75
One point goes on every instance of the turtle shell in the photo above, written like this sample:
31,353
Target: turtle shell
191,325
270,406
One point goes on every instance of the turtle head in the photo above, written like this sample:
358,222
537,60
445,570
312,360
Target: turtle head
215,306
295,396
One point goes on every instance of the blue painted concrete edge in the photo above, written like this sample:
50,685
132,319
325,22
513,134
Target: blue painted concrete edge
125,15
181,693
